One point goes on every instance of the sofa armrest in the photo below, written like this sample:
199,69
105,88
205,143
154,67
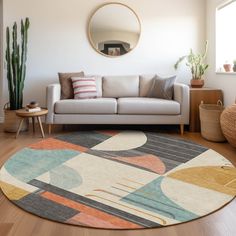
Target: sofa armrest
181,95
53,95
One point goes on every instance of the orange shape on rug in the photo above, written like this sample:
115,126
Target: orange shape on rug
89,215
150,162
54,144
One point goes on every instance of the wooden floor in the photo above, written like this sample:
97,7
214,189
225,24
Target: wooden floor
14,221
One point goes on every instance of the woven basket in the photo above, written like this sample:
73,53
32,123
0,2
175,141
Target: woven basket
210,121
228,124
12,121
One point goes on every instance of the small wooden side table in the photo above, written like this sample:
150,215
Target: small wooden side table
26,115
197,95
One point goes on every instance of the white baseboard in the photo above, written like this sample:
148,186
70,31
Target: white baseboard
1,119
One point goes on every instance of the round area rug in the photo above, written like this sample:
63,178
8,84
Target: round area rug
118,179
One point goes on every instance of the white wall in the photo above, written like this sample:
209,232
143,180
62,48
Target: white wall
226,82
58,39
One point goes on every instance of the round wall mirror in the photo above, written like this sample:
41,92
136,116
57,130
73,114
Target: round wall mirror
114,29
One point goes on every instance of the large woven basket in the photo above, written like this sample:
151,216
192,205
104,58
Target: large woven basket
228,124
210,121
12,121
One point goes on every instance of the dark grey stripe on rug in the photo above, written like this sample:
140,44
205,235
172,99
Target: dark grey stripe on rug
86,139
172,151
45,208
94,204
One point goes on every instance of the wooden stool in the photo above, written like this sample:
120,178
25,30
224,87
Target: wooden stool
26,115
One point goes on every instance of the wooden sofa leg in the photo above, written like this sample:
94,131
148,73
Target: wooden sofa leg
50,129
182,129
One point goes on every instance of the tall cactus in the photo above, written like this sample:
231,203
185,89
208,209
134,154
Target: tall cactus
16,57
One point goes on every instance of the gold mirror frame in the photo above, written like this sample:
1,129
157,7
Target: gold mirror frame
89,28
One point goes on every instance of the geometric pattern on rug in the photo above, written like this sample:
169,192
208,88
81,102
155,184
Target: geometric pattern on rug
118,179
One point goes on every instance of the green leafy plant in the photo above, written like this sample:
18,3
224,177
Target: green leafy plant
234,67
16,57
195,62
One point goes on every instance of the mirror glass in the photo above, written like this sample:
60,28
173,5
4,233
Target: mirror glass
114,29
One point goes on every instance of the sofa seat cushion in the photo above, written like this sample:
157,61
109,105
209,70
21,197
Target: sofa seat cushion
87,106
148,106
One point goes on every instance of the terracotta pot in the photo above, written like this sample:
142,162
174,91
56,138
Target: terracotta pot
12,121
197,83
227,67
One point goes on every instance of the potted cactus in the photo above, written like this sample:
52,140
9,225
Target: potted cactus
16,57
197,66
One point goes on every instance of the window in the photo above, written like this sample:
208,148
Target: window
226,37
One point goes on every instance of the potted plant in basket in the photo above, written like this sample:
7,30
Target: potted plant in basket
16,57
197,66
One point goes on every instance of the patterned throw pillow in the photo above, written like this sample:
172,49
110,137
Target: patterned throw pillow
66,84
162,88
84,87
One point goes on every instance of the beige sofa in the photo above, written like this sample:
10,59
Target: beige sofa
122,100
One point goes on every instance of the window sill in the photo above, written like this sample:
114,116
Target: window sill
225,73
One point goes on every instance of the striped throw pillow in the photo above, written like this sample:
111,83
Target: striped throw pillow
84,87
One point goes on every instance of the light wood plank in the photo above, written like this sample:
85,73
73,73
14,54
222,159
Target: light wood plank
5,228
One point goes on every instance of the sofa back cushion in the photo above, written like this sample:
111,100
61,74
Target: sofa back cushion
67,91
98,80
120,86
146,82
